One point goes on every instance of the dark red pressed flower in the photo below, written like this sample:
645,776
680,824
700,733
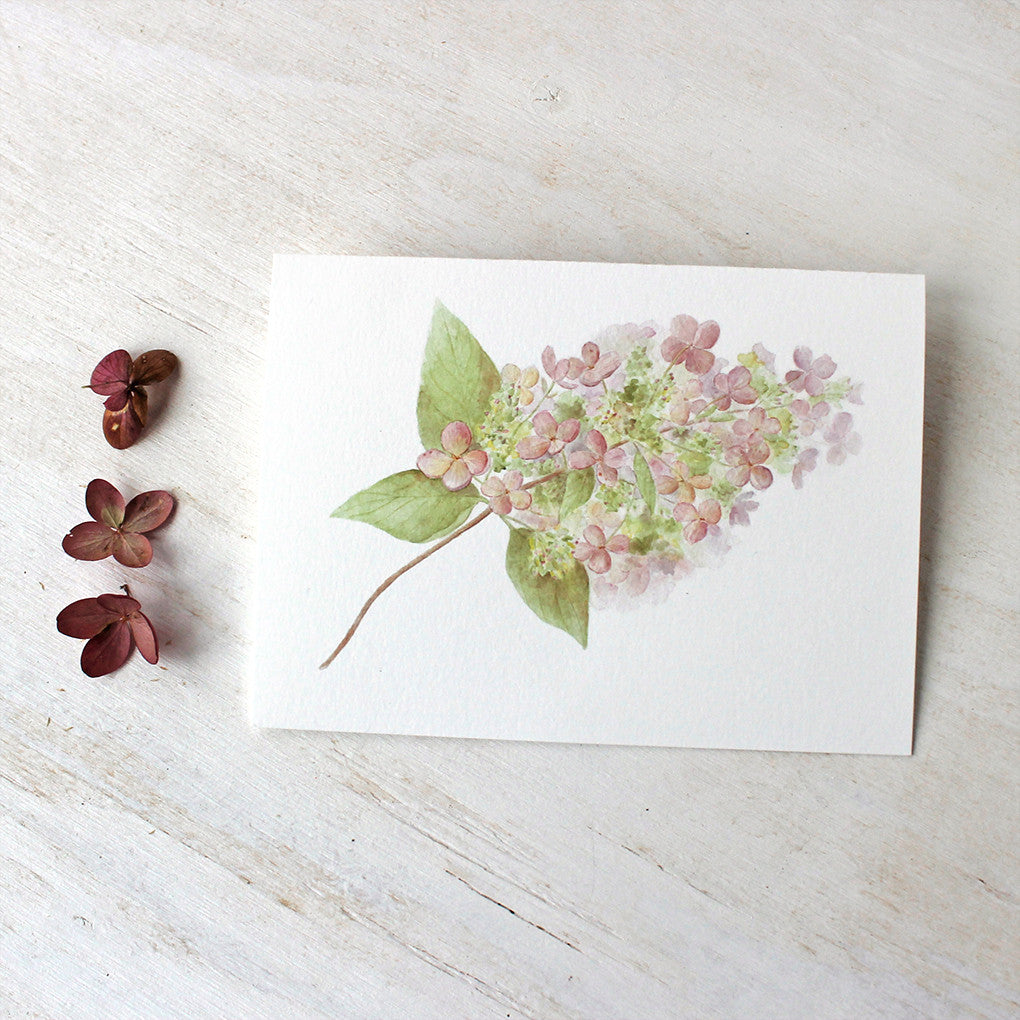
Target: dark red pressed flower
113,624
117,529
123,381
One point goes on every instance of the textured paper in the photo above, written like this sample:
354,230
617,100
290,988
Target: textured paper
801,637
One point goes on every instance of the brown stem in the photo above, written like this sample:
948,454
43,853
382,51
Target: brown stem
403,570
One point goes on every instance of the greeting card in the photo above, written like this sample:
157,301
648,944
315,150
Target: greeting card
591,503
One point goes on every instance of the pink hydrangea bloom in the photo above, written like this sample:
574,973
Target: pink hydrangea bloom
456,463
740,511
550,437
507,493
748,465
597,366
596,550
811,372
697,519
673,476
688,343
809,416
805,462
734,385
607,463
751,431
564,370
842,441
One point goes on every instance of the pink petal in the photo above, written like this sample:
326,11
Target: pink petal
673,349
122,605
596,442
695,531
761,477
618,544
802,358
745,395
112,374
820,410
568,430
579,459
583,551
617,457
84,618
813,385
131,550
107,651
590,354
685,512
545,425
549,363
739,475
104,503
532,448
711,511
699,362
456,438
607,475
458,476
89,541
148,510
594,535
824,367
520,500
501,504
434,463
494,486
600,562
145,637
513,479
477,461
707,334
684,328
836,455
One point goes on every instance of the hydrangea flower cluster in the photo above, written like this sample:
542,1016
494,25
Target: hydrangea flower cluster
616,469
673,441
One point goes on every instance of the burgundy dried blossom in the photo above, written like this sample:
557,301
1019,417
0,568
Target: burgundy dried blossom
123,381
113,624
117,529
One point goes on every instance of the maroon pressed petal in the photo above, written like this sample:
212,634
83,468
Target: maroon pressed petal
89,541
112,374
148,510
104,503
140,404
152,367
121,428
145,637
107,651
122,605
85,618
131,550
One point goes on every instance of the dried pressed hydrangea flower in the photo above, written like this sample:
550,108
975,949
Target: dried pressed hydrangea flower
123,381
117,529
113,624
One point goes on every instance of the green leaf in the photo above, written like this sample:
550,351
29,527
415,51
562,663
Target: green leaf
645,482
410,506
560,601
580,485
457,378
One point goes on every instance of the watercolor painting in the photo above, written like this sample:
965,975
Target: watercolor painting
616,468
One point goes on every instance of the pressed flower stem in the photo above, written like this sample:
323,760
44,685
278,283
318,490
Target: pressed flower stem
403,570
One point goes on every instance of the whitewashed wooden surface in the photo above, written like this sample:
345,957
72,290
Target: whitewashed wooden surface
160,859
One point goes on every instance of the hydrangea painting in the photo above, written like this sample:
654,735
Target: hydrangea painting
611,466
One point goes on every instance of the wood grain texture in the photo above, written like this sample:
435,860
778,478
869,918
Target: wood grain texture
160,859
